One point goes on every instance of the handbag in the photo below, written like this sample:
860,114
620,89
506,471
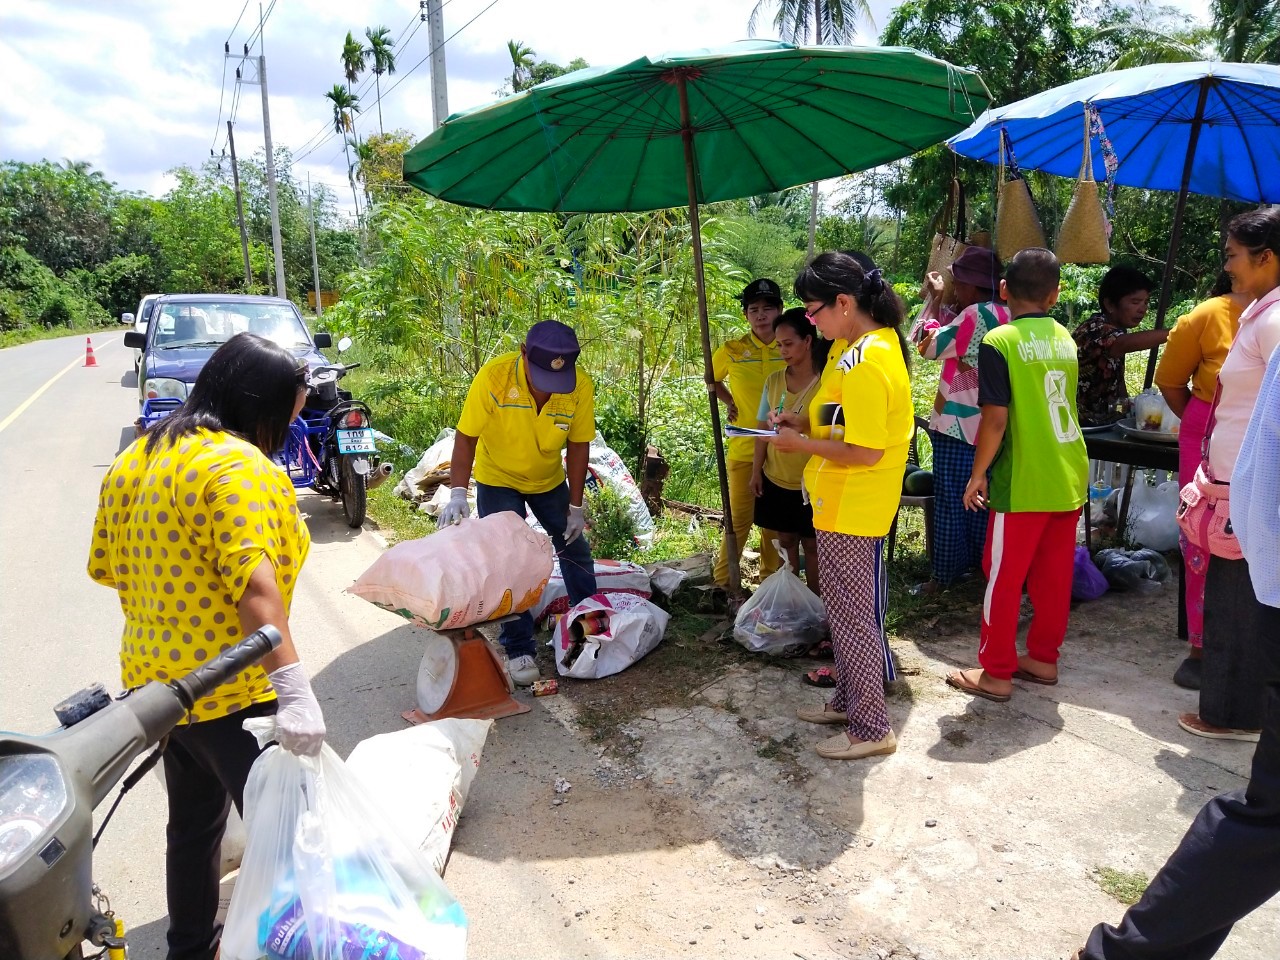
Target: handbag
949,236
1204,506
1082,238
1017,223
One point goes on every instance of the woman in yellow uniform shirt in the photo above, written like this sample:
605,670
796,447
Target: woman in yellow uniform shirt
776,477
198,532
858,432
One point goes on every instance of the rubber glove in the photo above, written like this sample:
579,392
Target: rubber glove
299,722
456,509
575,525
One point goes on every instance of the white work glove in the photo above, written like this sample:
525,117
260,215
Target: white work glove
299,722
456,509
575,525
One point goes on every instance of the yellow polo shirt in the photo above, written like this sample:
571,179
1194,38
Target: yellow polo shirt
864,399
747,363
520,447
1197,347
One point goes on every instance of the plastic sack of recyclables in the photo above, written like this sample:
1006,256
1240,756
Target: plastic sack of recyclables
612,576
325,878
473,571
1142,570
783,617
605,634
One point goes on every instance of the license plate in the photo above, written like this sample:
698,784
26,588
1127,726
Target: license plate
356,441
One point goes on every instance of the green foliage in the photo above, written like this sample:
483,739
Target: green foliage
12,315
35,295
613,529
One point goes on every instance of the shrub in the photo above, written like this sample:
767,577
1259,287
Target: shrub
613,530
12,315
58,312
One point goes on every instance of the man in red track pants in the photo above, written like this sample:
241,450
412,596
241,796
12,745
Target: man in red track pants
1030,438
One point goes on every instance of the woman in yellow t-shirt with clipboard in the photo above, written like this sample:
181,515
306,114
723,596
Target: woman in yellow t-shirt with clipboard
777,477
856,436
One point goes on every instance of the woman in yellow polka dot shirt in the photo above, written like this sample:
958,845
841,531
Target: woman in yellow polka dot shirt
199,534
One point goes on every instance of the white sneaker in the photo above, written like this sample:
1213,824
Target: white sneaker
524,671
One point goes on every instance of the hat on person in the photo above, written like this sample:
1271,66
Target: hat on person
552,351
978,266
762,289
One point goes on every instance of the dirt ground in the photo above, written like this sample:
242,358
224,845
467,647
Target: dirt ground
700,823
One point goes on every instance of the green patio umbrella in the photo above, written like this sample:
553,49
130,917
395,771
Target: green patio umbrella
695,127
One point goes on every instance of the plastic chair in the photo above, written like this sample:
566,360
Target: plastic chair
925,503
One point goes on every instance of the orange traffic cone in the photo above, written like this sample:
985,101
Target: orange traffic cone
89,360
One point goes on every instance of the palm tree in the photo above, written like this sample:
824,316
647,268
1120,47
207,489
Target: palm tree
521,64
833,21
345,106
1242,31
381,54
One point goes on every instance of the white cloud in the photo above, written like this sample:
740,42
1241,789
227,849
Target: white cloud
133,86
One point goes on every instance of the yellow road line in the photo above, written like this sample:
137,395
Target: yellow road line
36,396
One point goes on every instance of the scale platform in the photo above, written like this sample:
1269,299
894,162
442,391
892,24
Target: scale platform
462,675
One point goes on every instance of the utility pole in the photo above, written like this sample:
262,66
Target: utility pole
439,84
260,62
315,262
244,234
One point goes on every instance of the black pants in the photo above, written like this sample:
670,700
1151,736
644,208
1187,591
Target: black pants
1227,865
1231,688
206,766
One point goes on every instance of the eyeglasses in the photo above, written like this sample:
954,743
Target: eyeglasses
812,317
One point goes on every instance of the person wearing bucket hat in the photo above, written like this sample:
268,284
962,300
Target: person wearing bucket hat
741,367
524,409
959,534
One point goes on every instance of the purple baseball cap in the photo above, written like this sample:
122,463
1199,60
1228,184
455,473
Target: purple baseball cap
552,350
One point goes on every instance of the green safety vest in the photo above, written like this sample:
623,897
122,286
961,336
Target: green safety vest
1042,465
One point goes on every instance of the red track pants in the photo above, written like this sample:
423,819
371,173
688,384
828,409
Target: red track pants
1036,550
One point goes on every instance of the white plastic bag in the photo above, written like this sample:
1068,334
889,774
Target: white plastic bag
612,576
1155,524
604,635
432,468
434,765
324,878
783,617
473,571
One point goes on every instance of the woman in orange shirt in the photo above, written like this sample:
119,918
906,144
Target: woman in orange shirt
1187,377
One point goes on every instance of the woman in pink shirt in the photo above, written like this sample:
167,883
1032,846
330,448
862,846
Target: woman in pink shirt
1232,697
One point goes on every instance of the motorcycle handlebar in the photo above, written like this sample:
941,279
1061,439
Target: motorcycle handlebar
202,681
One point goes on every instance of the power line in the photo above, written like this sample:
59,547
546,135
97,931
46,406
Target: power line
405,76
238,19
222,86
257,33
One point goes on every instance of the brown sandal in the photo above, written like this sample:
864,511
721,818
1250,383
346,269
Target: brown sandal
964,685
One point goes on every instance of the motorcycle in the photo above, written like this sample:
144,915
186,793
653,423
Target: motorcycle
331,445
49,786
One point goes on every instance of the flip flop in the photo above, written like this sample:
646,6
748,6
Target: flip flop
822,677
958,681
1021,674
822,650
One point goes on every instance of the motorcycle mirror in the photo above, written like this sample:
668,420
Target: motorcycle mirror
344,344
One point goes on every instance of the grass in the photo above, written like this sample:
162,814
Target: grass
13,338
1125,886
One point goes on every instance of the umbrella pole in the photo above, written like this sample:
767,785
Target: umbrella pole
1175,235
690,172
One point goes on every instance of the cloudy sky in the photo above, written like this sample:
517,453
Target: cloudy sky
137,87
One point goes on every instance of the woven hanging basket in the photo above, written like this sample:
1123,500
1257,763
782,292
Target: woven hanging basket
1082,237
1017,223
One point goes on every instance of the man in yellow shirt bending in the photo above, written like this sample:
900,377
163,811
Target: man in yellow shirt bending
745,363
528,414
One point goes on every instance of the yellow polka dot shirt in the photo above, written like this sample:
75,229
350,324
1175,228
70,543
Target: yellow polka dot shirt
178,532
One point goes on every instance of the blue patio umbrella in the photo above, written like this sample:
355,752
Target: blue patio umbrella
1205,128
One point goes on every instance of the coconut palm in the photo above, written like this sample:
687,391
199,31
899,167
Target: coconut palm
345,106
521,64
1241,31
830,21
380,55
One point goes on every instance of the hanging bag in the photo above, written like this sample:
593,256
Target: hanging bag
1082,238
1204,506
1017,223
949,235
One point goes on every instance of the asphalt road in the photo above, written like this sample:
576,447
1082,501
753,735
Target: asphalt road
61,425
